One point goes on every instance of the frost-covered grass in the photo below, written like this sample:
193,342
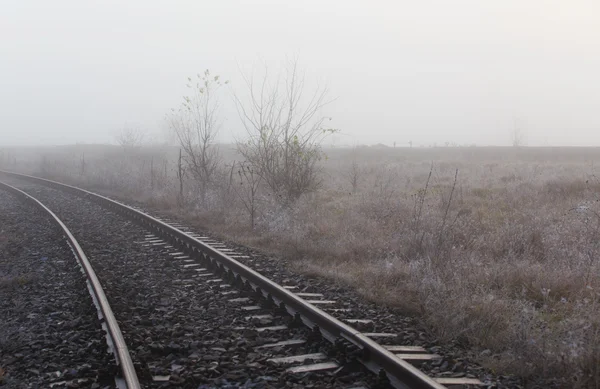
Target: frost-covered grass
505,260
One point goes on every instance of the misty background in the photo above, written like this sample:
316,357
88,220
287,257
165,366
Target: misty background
429,72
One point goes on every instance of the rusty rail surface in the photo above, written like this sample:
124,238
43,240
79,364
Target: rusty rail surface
401,374
113,331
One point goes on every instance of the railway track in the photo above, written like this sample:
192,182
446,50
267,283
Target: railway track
290,332
116,344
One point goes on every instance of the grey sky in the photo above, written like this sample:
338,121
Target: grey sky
427,71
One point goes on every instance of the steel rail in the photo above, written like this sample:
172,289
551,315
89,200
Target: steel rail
374,357
114,332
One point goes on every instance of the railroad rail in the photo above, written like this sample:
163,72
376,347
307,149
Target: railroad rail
375,357
114,335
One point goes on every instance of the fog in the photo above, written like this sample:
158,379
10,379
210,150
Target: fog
429,72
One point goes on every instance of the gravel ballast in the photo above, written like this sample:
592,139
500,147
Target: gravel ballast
50,333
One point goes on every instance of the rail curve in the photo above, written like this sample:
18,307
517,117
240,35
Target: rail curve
399,373
113,331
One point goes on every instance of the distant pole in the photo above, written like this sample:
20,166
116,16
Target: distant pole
152,173
180,176
82,167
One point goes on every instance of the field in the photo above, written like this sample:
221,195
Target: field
495,249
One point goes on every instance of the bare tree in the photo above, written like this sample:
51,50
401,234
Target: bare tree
516,135
195,124
285,132
130,137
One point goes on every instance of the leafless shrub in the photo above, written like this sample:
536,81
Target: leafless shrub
384,184
353,176
419,202
354,173
284,136
130,136
444,221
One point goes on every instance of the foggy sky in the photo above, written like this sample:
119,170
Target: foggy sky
427,71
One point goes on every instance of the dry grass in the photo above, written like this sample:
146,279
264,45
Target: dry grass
506,258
